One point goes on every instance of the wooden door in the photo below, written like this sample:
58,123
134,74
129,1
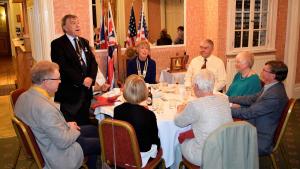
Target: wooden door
5,48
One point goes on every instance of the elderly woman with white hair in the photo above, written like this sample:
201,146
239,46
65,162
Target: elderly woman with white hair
205,114
246,81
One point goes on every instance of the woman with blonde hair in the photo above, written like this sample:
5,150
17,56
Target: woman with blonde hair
142,64
142,119
246,81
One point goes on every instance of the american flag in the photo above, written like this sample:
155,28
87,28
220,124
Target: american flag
112,42
142,31
131,35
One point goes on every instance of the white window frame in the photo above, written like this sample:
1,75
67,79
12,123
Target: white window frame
271,29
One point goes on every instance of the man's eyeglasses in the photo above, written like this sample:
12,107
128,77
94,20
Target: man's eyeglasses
52,79
267,71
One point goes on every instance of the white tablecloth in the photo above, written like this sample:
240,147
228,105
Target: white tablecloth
167,130
172,78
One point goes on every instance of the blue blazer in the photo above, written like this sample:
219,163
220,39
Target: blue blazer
264,112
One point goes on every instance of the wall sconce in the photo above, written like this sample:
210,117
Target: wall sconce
3,16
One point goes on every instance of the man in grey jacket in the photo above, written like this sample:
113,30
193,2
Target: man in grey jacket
264,109
62,144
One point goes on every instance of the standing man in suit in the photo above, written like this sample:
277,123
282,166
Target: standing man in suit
264,109
62,144
78,69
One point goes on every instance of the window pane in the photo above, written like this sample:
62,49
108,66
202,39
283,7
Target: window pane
238,20
237,39
264,20
245,38
257,5
263,35
255,38
247,5
264,5
256,21
246,21
238,5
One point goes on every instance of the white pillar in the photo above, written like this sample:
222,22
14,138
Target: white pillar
41,28
291,47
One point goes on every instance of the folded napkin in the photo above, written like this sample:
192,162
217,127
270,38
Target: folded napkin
104,101
185,135
237,119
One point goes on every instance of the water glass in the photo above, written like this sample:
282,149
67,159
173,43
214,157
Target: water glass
172,103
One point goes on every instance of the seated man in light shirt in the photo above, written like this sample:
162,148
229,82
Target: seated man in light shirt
207,61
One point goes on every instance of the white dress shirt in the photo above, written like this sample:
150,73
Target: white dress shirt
214,64
71,38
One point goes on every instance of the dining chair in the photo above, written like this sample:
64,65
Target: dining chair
28,142
14,95
231,146
187,164
120,148
280,131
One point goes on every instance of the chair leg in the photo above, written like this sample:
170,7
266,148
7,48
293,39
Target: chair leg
163,164
283,153
181,165
274,161
17,158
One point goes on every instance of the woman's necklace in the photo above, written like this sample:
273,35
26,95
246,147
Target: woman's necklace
138,64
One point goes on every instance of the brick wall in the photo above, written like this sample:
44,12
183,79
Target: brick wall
298,62
77,7
281,28
204,19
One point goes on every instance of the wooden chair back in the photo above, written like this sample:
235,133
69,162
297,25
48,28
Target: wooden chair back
283,123
28,141
14,95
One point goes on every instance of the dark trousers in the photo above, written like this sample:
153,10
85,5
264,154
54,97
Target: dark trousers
90,144
78,112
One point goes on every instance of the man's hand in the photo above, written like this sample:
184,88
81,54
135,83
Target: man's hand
105,87
233,105
180,108
88,82
73,125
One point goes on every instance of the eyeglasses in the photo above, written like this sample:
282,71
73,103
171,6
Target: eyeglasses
267,71
52,79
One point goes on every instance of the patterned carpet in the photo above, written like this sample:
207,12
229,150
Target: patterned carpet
9,148
291,140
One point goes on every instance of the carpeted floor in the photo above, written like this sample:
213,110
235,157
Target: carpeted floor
6,129
9,159
6,89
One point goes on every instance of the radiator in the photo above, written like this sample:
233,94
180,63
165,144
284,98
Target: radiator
259,62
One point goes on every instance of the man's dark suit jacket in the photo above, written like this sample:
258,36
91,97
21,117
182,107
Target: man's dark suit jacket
264,112
143,122
72,76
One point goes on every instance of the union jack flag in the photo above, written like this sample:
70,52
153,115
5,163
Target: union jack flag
142,31
103,35
131,35
112,42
